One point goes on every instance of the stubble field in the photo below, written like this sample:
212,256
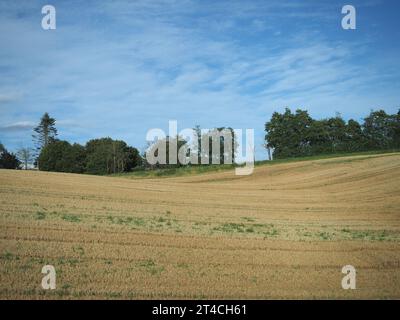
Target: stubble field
284,232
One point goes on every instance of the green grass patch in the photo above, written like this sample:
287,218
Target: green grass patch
150,266
71,217
79,250
174,172
7,256
324,235
67,261
258,229
271,233
248,219
129,221
381,235
231,228
40,215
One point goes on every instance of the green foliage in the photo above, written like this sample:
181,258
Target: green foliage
8,160
225,140
40,215
150,266
99,156
61,156
289,134
216,146
105,156
71,218
356,141
298,135
133,158
163,148
382,130
172,171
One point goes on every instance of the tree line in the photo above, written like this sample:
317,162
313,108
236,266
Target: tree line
298,134
203,150
8,160
107,156
97,156
288,134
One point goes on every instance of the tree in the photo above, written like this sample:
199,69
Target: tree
76,157
8,160
382,130
355,138
45,132
105,156
298,134
222,136
335,128
133,158
25,156
61,156
396,130
319,137
225,139
289,133
162,148
197,134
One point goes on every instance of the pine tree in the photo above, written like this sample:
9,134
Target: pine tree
45,132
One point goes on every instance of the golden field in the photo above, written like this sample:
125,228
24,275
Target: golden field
285,231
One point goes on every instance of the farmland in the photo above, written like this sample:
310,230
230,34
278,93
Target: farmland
285,231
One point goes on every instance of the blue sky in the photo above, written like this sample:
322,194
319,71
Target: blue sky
120,68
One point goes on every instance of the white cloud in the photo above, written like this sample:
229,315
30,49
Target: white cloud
120,68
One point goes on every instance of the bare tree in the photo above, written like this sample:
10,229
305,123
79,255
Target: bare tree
25,155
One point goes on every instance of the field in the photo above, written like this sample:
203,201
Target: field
284,232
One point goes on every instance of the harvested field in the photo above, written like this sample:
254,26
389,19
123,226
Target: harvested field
284,232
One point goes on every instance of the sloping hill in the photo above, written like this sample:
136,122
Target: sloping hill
283,232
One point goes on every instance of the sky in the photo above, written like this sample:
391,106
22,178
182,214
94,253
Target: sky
120,68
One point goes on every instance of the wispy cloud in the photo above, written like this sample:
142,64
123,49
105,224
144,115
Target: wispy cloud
9,97
120,68
18,126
